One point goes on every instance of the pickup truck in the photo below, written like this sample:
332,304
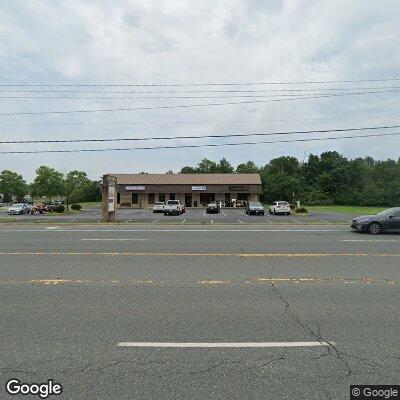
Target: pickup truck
173,207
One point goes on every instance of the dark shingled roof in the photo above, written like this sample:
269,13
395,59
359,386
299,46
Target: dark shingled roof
188,179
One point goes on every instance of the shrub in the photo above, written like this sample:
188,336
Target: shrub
59,208
301,210
76,207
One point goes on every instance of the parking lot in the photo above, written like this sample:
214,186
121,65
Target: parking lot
192,215
217,311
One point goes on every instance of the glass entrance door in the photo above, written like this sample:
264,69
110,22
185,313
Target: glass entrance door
188,200
227,199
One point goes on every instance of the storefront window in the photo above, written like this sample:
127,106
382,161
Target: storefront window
243,196
172,196
135,198
161,197
151,198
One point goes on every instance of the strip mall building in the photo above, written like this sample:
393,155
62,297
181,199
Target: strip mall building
193,190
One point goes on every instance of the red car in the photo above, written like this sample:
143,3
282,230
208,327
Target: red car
38,209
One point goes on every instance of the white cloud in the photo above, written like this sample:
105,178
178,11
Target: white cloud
126,41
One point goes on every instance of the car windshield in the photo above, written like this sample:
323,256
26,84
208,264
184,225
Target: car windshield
159,203
387,212
18,205
283,203
173,202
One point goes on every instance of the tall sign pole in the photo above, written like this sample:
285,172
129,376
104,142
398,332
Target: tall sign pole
109,198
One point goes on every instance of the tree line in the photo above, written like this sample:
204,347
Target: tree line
328,178
74,187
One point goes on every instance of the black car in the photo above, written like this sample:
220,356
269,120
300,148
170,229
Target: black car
385,221
213,208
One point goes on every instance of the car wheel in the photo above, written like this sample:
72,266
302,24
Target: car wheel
274,212
165,214
374,228
270,211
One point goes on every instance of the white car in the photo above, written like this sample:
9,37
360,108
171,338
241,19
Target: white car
18,209
279,207
158,207
29,208
173,207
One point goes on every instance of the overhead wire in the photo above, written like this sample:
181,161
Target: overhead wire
60,112
194,84
199,145
214,136
197,91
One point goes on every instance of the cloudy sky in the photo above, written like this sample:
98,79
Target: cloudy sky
133,42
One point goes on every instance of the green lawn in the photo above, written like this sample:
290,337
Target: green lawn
356,210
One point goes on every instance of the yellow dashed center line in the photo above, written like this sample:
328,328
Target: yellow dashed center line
149,254
271,280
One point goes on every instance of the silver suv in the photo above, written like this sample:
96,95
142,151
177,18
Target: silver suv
279,207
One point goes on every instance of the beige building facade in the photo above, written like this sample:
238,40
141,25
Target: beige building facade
193,190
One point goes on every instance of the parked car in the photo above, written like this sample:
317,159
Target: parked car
385,221
38,209
158,207
279,207
213,208
173,207
29,207
254,207
18,209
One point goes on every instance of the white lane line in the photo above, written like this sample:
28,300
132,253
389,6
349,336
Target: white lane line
52,227
183,221
223,345
172,230
267,220
370,240
204,212
224,214
212,221
109,239
155,221
240,221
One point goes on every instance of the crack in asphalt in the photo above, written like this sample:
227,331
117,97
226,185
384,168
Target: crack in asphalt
330,350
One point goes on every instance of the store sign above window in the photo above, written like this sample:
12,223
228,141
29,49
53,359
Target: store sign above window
135,188
199,188
238,188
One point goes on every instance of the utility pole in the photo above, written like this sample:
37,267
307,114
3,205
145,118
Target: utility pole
108,198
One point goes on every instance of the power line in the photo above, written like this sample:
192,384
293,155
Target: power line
194,122
193,84
182,105
196,137
200,145
180,97
197,91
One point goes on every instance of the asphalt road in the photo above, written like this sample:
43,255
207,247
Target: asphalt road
70,295
193,215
